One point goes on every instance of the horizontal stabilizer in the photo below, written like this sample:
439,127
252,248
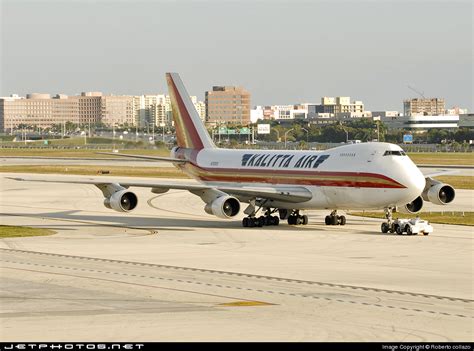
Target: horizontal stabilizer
151,158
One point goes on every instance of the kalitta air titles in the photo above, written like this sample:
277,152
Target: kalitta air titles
282,161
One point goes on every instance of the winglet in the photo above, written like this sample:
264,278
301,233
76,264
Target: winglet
190,131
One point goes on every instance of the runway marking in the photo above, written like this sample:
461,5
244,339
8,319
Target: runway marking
254,276
245,304
136,284
220,286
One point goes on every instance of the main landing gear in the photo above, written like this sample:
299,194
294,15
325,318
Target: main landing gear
266,220
334,219
296,219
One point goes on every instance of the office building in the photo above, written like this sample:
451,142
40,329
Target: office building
336,106
118,110
423,107
89,107
38,111
228,104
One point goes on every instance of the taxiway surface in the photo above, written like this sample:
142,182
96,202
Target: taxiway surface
168,271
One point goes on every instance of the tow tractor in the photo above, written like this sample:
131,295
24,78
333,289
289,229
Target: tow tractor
412,226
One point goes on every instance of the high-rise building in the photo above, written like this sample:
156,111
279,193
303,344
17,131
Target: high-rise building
228,104
423,107
200,107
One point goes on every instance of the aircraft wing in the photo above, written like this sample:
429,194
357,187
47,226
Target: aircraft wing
280,193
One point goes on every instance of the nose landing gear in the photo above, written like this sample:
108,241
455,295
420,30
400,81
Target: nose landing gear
389,225
334,219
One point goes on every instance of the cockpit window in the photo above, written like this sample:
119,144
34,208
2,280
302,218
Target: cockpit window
394,153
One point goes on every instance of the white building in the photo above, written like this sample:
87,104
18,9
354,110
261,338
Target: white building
200,107
421,122
289,112
256,114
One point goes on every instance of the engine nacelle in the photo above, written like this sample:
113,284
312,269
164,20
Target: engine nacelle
412,207
440,194
122,201
223,207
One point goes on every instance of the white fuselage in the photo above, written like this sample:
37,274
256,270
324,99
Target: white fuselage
355,176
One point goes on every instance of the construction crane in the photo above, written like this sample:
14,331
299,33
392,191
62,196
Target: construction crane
416,91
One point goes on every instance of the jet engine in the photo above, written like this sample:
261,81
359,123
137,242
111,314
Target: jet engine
412,207
223,207
439,194
121,201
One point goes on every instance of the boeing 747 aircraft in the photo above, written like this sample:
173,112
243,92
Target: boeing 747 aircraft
280,184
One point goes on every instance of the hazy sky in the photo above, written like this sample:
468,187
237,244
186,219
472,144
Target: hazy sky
283,52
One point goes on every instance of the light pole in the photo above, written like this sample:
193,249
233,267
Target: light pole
162,125
153,129
286,133
278,135
307,132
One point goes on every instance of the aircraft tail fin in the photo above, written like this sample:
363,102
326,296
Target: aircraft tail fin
190,130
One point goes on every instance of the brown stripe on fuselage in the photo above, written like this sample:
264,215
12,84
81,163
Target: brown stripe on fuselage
292,177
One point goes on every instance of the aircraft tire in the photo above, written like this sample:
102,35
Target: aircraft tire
384,228
245,222
276,220
342,220
305,219
327,220
334,220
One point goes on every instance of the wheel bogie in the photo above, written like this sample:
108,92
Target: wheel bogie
334,219
267,220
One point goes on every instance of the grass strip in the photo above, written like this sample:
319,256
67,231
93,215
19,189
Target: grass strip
8,231
442,158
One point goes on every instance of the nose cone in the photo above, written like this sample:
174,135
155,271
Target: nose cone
413,180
